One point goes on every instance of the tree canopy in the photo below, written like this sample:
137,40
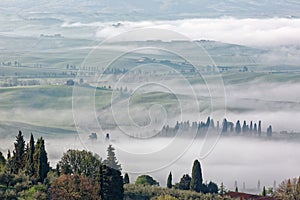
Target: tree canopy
196,182
80,162
146,180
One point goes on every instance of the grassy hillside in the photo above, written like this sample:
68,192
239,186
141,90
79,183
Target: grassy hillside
42,108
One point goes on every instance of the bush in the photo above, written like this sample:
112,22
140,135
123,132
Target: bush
37,192
146,180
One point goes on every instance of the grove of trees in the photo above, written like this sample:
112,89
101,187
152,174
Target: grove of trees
26,174
227,128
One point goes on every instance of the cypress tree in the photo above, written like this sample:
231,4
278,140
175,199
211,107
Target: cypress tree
41,165
196,182
222,189
259,128
18,161
212,123
8,154
269,131
238,127
57,170
2,160
9,162
29,168
244,129
255,128
126,179
231,127
225,126
169,181
264,192
207,122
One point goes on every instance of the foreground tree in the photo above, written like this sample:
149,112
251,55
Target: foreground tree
41,165
212,188
289,189
196,182
222,189
264,192
112,184
80,162
74,187
29,167
111,160
18,161
2,161
111,178
185,182
126,179
169,181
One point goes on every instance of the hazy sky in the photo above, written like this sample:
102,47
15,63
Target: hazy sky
254,23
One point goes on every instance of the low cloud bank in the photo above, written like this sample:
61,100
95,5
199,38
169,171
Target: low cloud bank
249,31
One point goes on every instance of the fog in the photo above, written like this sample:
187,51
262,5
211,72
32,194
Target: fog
231,159
249,32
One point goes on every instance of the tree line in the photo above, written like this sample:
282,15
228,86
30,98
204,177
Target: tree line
226,128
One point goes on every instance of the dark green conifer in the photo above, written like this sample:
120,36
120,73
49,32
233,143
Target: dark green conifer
196,182
29,168
126,179
112,180
111,160
169,181
18,161
264,192
41,165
